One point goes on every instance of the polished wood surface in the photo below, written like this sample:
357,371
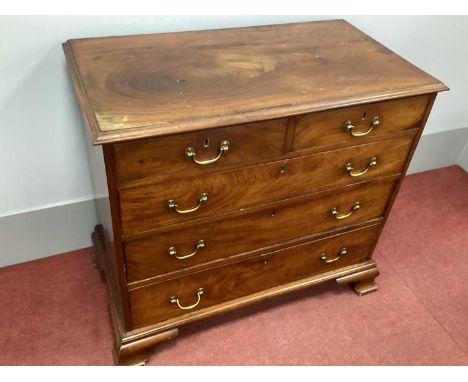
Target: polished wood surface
165,157
408,161
327,128
363,282
151,304
260,228
159,84
145,208
154,329
296,103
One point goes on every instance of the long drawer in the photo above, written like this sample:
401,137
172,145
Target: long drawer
352,125
145,208
168,155
158,254
162,301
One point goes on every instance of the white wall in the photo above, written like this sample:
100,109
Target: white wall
438,45
42,154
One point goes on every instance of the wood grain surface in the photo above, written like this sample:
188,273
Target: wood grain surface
281,95
165,156
151,304
132,87
327,128
251,231
145,208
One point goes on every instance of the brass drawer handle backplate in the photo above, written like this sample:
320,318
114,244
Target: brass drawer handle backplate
339,216
172,251
324,258
175,300
349,167
174,206
349,127
191,154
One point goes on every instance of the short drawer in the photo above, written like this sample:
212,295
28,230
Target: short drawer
169,250
148,207
176,297
169,155
353,125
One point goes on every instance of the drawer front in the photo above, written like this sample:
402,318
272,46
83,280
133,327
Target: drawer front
160,301
167,156
329,128
225,237
145,208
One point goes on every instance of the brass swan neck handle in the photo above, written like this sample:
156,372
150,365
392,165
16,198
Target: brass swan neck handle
175,300
324,258
334,212
172,251
171,203
349,127
191,154
349,168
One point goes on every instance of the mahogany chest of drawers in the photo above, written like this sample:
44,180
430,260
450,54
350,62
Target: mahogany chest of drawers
234,165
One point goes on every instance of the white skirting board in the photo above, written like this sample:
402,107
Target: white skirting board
52,230
441,150
45,232
463,159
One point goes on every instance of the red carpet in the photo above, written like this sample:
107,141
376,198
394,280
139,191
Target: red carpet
54,310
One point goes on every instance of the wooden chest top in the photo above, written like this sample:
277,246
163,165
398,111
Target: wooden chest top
132,87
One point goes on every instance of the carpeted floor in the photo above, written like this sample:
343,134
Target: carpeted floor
54,310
